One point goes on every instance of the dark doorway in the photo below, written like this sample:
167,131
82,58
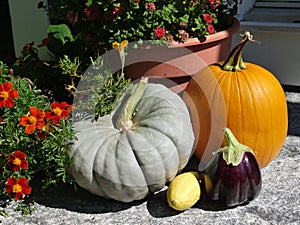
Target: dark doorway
7,52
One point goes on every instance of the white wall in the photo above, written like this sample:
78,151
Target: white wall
278,52
28,24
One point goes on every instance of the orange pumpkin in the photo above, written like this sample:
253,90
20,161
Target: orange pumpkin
244,97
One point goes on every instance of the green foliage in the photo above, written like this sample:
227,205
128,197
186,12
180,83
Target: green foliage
61,41
100,90
61,32
111,94
97,23
25,207
47,158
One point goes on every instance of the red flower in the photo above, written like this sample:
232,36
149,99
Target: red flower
17,188
59,110
7,95
159,32
34,121
210,28
208,18
42,135
28,47
92,12
45,42
150,6
136,1
17,161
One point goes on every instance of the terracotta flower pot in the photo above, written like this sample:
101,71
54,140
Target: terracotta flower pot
178,62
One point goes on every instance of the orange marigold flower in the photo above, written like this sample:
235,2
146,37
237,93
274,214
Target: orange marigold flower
59,110
35,121
17,161
7,94
17,188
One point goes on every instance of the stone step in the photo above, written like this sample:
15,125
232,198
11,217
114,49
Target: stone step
293,102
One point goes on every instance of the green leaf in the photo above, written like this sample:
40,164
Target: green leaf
89,3
60,32
184,18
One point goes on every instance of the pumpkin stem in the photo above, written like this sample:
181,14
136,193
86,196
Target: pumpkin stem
234,62
124,121
234,151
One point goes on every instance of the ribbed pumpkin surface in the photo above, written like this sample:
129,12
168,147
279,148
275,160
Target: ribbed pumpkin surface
250,102
128,165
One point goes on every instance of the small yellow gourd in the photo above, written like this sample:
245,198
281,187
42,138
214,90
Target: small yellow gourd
184,191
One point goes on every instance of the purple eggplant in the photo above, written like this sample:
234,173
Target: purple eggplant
234,174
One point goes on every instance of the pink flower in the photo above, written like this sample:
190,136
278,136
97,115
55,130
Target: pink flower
117,11
214,3
159,32
210,28
150,6
183,35
208,18
92,12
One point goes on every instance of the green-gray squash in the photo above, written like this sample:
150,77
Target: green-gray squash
136,149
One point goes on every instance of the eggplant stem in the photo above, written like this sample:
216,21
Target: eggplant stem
234,151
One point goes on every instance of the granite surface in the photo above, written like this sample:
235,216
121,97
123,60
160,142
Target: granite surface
278,202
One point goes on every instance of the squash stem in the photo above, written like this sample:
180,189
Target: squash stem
234,61
124,121
234,151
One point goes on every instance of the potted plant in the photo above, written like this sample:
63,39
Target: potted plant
88,28
100,23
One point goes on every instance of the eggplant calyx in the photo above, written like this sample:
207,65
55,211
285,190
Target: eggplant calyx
234,151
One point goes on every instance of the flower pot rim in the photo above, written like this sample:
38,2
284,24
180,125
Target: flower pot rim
210,38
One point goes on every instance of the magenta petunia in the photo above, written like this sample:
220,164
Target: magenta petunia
210,28
207,18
